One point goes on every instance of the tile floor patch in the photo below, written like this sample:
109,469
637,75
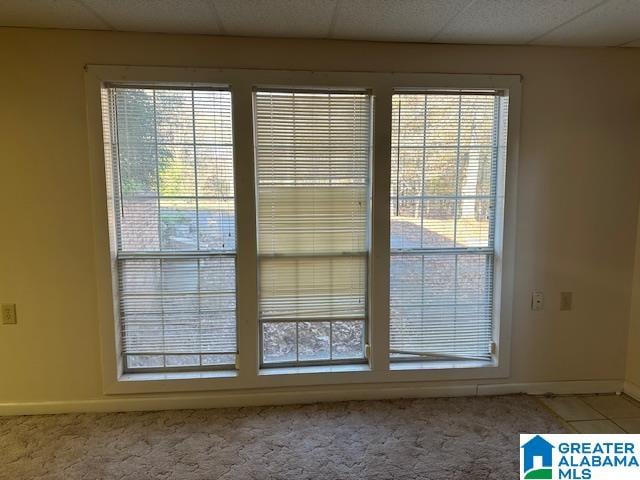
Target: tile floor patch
597,413
613,406
572,408
596,426
629,425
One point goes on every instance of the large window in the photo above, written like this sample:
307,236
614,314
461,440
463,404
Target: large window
313,153
447,151
170,179
342,227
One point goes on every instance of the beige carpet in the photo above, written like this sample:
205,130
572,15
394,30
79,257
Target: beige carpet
439,439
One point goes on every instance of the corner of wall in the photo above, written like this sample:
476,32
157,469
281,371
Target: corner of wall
632,371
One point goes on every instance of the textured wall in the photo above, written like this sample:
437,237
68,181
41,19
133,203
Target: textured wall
577,206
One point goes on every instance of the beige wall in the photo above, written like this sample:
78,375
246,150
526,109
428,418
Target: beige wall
633,352
578,192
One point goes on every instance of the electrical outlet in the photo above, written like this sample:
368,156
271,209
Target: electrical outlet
9,314
537,301
566,300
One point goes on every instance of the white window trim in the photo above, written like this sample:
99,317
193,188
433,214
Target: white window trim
249,376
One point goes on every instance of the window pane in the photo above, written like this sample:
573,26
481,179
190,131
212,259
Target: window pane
476,171
441,305
171,181
442,205
312,164
138,169
347,339
440,172
473,222
178,228
138,222
279,342
314,341
174,116
177,171
173,171
178,306
217,225
215,171
477,118
145,361
406,224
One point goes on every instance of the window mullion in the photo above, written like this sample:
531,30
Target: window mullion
246,246
380,221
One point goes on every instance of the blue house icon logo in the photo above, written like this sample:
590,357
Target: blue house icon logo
539,448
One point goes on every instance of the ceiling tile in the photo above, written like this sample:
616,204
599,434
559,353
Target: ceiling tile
276,18
510,21
48,14
400,20
171,16
613,23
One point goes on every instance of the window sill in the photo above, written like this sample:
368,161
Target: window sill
145,377
354,367
304,376
441,365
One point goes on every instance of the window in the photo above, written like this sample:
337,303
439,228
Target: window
313,153
271,229
448,150
172,214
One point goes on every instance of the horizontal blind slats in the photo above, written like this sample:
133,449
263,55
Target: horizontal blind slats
445,154
174,194
312,167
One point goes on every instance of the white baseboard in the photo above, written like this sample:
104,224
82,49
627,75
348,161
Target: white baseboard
632,390
289,396
556,388
233,399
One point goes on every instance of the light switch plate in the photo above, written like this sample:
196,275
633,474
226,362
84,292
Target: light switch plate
9,314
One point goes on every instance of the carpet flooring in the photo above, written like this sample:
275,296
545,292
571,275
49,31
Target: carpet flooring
443,439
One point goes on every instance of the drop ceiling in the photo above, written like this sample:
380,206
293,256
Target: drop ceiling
515,22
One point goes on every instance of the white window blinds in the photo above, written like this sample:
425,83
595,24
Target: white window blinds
170,180
447,148
312,163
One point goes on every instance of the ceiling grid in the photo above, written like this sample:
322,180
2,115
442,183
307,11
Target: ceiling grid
502,22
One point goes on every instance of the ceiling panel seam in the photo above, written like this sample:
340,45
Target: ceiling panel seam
624,44
334,19
93,12
448,23
562,24
217,17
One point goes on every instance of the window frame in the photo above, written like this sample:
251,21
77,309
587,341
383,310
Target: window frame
241,83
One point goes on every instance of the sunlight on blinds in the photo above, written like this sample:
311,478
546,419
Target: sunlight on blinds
312,164
170,175
446,152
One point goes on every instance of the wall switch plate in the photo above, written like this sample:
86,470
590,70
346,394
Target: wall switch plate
537,301
566,300
9,314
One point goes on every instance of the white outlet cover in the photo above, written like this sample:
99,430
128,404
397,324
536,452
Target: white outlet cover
537,301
